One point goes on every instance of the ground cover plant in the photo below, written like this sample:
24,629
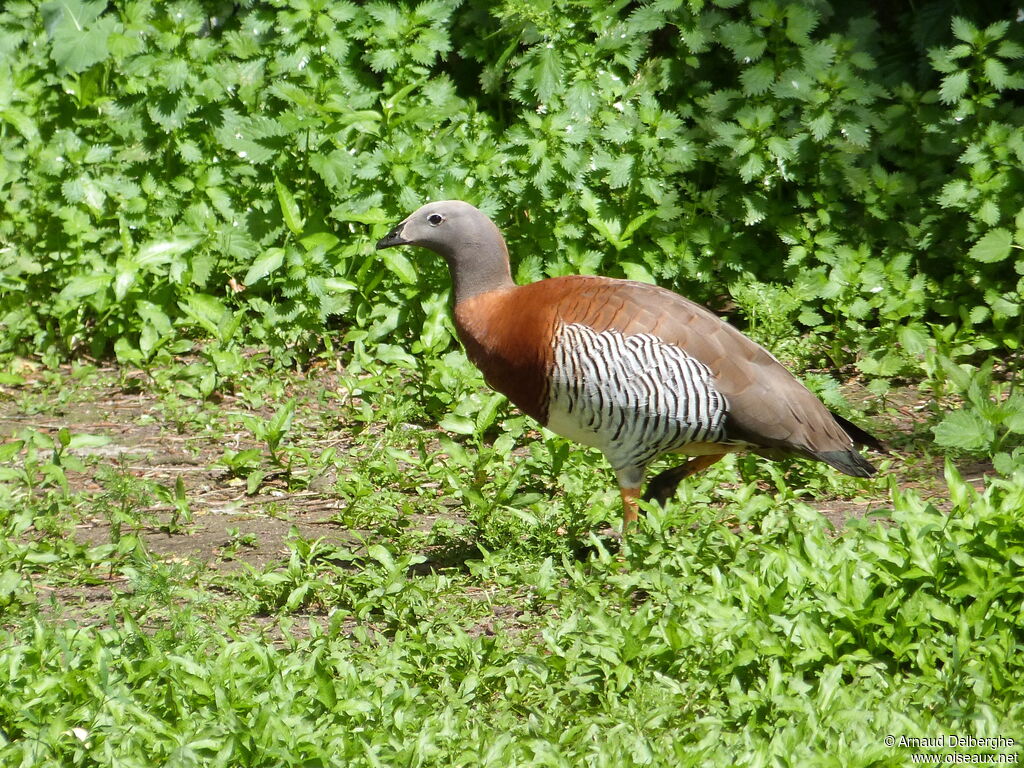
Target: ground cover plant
256,508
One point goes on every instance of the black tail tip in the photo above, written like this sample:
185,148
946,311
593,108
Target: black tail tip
848,462
858,435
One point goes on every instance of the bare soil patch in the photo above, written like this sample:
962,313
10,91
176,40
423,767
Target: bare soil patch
144,444
230,528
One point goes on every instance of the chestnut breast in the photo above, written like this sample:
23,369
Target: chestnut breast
508,336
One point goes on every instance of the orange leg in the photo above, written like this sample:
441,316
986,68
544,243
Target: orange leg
661,488
629,508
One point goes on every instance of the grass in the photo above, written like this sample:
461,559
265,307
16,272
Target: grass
307,572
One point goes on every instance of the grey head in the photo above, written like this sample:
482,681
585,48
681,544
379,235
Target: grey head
466,238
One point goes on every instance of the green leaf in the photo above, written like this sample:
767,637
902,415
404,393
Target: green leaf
548,72
954,194
751,167
638,272
82,440
338,285
25,125
994,245
488,412
400,265
78,33
996,73
997,30
81,286
758,79
964,30
820,125
381,555
289,208
266,263
1007,463
460,425
205,310
913,339
964,429
1010,50
954,87
165,250
9,450
801,22
123,282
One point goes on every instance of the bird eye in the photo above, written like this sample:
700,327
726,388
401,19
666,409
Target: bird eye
435,219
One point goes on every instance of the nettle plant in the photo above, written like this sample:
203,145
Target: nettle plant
167,168
172,176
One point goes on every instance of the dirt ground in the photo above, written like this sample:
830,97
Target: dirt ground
143,444
229,527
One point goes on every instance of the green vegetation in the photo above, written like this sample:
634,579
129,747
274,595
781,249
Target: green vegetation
256,508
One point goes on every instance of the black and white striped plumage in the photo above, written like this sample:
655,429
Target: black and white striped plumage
632,396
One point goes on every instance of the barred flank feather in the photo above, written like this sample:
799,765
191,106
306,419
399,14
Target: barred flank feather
634,397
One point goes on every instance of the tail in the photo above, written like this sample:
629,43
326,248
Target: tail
858,435
850,461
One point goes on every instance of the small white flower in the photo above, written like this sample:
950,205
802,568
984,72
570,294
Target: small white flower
243,154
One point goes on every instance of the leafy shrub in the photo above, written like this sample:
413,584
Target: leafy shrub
991,421
170,175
